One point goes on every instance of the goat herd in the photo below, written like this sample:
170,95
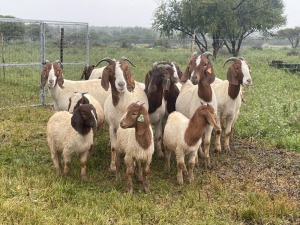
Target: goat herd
171,112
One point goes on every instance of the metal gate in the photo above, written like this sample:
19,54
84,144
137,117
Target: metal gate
26,44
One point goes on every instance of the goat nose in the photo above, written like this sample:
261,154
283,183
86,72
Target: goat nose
51,81
249,81
121,83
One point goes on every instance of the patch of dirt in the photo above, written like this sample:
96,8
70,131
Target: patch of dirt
275,171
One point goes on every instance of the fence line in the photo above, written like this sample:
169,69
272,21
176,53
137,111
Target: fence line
26,44
22,54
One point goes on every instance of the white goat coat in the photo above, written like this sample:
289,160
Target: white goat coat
114,114
128,145
228,108
96,73
188,100
174,134
61,96
62,137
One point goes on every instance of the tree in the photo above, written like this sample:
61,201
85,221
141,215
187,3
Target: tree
248,17
226,22
292,34
181,17
12,30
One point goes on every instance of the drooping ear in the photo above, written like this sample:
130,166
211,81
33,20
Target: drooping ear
186,75
232,75
105,78
147,80
210,74
210,119
130,81
60,78
77,120
44,77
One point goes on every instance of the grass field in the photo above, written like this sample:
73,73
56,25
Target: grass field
257,183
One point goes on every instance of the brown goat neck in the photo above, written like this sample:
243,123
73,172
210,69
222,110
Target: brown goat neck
233,90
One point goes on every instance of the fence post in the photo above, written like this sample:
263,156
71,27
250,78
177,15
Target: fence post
2,54
42,58
62,31
88,46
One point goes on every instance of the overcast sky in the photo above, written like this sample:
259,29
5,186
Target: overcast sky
105,12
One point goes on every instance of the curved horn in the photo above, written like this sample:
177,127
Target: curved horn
125,59
165,63
106,59
168,66
208,54
234,59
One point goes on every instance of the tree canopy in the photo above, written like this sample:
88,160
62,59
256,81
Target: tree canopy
292,34
226,22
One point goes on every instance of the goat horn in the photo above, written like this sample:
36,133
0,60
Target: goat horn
207,54
234,59
106,59
165,63
125,59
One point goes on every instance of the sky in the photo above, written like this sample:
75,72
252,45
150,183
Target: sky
109,13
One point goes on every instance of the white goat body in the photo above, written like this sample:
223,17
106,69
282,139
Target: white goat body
135,141
229,98
124,91
184,136
200,71
68,134
61,90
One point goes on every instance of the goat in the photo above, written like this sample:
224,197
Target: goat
124,91
184,136
61,89
91,72
71,133
160,88
229,98
201,72
136,144
78,99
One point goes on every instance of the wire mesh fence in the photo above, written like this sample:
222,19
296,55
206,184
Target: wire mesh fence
25,44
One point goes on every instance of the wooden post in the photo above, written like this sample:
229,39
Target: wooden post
61,46
2,55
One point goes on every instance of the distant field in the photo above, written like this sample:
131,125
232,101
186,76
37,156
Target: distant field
257,183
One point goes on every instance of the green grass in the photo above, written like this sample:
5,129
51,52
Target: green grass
229,193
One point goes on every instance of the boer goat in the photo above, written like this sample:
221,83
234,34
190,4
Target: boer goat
118,77
200,71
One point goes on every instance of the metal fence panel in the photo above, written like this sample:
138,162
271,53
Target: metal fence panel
25,44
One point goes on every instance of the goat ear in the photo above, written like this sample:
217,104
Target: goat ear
43,78
105,79
130,81
210,119
142,124
186,75
147,78
76,120
60,78
210,75
232,75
